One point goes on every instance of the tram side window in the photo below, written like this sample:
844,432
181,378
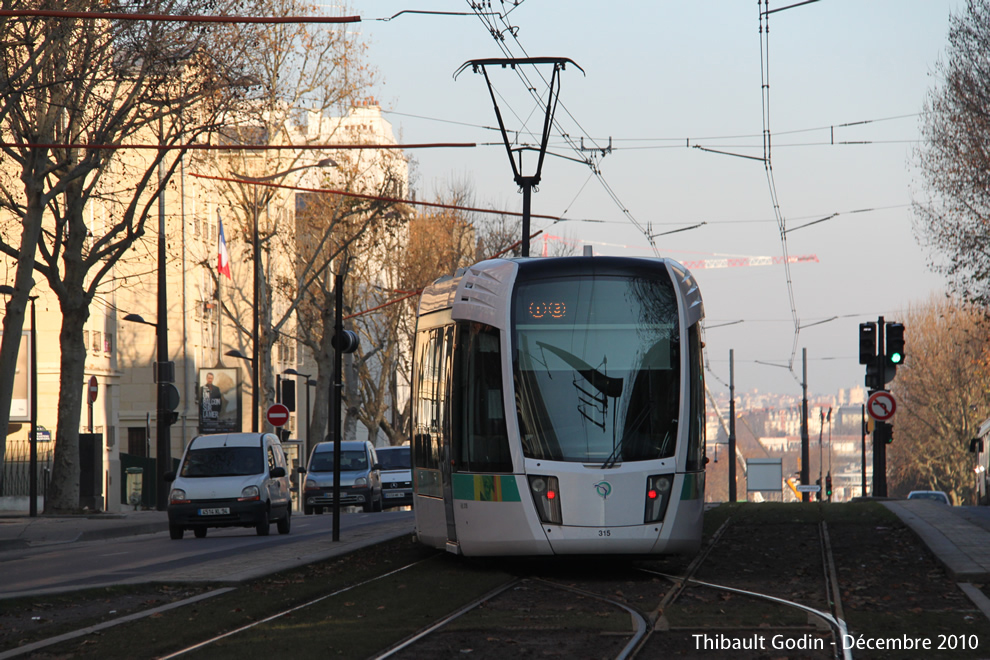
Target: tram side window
431,395
481,443
696,428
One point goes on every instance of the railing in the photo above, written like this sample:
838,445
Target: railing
16,476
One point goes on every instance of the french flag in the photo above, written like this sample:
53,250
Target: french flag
223,259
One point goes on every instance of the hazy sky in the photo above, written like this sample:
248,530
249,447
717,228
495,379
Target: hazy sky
660,76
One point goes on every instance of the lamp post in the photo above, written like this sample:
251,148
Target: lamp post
256,255
33,440
234,353
307,382
164,377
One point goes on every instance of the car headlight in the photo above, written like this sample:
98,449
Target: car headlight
250,493
361,481
178,496
310,484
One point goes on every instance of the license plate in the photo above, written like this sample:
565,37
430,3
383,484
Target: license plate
395,494
223,511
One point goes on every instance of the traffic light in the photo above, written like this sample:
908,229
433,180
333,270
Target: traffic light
288,394
867,343
349,341
818,482
872,379
828,485
895,343
885,433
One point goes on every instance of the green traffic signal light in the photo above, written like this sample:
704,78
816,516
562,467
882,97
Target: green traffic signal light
895,343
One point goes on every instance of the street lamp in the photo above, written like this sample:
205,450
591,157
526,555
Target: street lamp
307,383
256,254
164,377
33,440
234,353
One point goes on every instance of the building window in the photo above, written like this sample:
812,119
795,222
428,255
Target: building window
137,441
97,341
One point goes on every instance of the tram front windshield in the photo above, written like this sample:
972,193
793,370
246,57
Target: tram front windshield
596,364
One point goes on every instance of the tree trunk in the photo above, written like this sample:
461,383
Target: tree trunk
324,380
13,320
351,399
63,493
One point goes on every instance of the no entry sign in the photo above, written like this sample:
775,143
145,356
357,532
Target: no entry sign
277,415
881,406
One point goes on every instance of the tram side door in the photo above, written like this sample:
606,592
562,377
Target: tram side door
446,451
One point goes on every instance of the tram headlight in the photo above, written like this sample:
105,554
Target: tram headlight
658,489
546,496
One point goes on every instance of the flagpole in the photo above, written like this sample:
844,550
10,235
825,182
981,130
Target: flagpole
219,363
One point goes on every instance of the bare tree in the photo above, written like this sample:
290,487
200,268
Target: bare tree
347,226
943,391
72,88
306,76
954,159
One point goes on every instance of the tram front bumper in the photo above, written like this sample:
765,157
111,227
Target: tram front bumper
635,539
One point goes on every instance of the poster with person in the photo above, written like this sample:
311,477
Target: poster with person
218,404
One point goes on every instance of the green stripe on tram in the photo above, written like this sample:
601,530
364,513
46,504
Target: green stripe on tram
485,487
694,485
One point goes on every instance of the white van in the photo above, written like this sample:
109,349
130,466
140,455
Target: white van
230,480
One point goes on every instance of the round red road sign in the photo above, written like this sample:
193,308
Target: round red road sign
881,406
277,415
93,389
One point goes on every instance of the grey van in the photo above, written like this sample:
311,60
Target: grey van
230,480
360,478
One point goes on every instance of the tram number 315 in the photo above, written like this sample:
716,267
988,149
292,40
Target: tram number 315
604,532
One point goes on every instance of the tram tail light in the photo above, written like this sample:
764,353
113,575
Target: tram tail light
658,489
546,496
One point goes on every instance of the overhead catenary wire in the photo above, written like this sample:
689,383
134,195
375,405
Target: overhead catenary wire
764,32
587,158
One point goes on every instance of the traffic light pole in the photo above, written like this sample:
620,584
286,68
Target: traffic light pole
879,441
732,427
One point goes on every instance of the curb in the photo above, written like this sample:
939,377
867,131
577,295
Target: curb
118,532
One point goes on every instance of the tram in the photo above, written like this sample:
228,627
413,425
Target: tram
558,408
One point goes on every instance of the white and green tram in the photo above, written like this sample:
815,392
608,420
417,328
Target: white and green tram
558,408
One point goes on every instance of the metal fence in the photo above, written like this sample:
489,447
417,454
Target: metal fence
15,479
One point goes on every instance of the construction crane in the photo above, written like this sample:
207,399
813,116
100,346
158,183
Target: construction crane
698,264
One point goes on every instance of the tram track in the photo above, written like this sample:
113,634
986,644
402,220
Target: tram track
759,574
832,615
495,615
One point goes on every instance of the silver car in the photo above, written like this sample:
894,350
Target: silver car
934,495
360,479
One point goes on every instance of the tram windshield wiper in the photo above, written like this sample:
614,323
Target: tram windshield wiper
613,458
607,385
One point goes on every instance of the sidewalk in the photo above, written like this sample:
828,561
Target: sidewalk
21,531
962,547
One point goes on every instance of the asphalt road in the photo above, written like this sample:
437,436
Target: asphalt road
225,555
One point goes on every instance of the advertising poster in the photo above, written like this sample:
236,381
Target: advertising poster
218,401
20,401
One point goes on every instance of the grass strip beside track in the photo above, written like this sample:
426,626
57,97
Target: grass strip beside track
357,623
